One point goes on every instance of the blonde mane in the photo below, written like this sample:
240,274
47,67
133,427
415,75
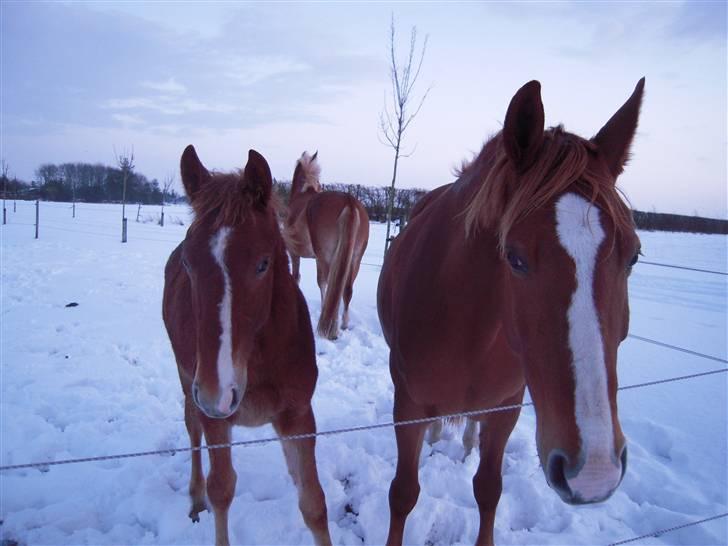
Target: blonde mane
308,168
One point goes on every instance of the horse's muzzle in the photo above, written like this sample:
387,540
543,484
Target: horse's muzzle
221,406
594,481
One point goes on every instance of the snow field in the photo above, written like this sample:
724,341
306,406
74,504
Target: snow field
100,378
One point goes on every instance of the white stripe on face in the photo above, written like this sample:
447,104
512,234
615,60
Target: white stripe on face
225,371
580,233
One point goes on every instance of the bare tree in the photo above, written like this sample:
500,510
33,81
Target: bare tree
125,161
395,119
166,186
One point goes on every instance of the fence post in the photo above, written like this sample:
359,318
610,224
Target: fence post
74,209
161,221
138,211
37,216
123,230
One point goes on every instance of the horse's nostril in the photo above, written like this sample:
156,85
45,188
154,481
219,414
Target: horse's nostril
623,458
236,399
555,472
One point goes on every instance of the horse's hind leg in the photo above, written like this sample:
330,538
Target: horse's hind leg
296,267
197,478
222,477
487,482
434,432
405,486
301,461
348,292
470,436
322,277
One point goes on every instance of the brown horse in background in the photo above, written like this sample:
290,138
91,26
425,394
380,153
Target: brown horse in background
241,335
515,276
333,227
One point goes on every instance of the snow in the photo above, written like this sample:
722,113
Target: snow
100,379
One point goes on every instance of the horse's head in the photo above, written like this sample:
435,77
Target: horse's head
306,174
568,246
230,254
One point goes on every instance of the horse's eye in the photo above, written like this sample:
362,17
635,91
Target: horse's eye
517,263
635,258
262,266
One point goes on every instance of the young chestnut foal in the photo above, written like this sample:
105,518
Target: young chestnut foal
241,335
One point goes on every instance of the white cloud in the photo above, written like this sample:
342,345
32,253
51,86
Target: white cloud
169,86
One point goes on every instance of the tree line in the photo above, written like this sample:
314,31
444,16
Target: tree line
91,183
97,183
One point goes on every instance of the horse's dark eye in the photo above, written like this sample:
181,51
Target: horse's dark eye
517,263
262,266
634,259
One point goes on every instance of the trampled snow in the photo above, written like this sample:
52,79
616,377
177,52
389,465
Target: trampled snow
99,378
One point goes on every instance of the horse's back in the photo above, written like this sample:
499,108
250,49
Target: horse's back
323,213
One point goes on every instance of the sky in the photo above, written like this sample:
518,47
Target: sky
81,80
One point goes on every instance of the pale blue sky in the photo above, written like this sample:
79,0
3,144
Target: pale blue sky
81,78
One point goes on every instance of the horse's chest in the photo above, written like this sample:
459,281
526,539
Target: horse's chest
258,407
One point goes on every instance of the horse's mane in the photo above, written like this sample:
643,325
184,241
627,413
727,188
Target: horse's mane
227,200
563,163
307,173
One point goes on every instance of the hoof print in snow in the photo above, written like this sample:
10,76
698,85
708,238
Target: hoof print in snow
72,304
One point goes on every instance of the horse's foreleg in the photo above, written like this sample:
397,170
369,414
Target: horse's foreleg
222,477
301,460
296,267
197,478
405,487
487,482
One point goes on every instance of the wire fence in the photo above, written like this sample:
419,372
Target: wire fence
248,443
155,229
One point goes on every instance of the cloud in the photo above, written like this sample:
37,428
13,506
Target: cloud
168,86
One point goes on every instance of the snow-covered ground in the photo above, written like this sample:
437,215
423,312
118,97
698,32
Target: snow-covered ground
99,378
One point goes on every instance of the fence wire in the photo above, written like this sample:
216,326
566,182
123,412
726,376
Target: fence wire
669,530
295,437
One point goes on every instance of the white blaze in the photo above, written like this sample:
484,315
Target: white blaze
580,233
225,371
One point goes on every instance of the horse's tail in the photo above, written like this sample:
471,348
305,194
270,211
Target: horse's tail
347,227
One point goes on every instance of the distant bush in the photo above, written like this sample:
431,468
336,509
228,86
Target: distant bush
656,221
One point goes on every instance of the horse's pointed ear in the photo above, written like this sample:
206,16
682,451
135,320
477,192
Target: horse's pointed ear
314,156
193,172
258,178
523,128
615,138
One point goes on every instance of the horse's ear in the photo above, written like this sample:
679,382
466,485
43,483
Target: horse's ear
258,178
314,156
523,128
615,138
193,172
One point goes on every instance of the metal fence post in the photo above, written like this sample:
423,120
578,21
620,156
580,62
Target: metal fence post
123,230
37,216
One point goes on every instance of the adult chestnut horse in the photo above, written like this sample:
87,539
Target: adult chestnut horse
515,276
241,334
333,227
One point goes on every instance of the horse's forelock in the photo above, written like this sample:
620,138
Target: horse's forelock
563,164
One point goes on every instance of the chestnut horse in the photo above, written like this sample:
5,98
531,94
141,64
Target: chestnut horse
333,227
515,276
241,334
